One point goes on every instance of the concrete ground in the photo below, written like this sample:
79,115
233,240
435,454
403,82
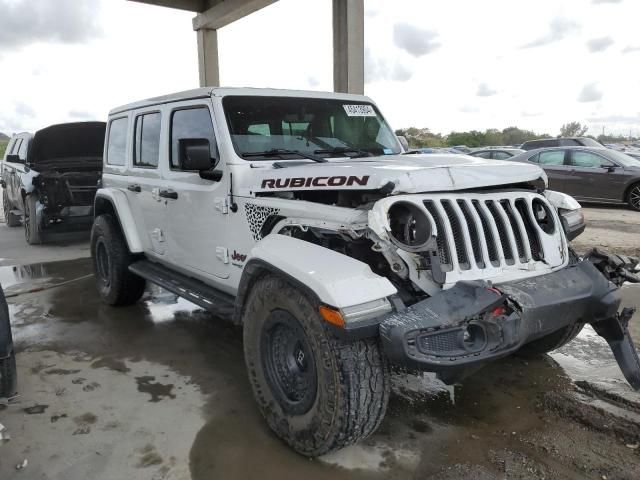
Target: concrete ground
159,391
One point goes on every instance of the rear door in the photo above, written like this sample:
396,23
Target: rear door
197,229
595,177
15,170
145,178
553,162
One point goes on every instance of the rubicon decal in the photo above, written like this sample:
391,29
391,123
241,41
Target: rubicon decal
298,182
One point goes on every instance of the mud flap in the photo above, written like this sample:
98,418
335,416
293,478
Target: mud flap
615,330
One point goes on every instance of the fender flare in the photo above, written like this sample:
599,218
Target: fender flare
330,277
114,201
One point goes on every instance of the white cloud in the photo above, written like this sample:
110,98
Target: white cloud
631,49
485,91
67,21
414,40
602,2
590,93
599,44
559,28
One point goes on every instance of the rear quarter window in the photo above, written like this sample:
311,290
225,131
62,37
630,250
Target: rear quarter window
117,143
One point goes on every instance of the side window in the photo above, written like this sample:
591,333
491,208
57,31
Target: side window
588,160
501,155
190,123
10,146
535,158
22,150
16,146
486,154
553,157
117,144
147,140
569,142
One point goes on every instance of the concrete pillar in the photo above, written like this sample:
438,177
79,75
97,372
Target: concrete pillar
348,46
208,57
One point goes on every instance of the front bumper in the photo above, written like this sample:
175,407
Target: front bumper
473,323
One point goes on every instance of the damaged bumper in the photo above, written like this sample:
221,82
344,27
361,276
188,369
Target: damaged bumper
473,323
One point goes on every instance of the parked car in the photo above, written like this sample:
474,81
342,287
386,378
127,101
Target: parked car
295,215
560,142
589,174
497,153
8,375
50,179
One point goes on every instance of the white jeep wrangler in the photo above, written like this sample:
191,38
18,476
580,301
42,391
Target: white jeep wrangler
298,216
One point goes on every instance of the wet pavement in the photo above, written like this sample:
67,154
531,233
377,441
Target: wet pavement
159,391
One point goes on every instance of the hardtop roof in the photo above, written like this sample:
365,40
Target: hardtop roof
205,92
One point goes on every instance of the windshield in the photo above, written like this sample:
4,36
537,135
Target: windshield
624,159
283,126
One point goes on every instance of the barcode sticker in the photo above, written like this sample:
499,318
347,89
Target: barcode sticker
359,110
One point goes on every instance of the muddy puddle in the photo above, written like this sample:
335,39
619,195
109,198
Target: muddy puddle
499,423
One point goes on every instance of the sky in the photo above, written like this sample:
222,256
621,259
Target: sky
447,66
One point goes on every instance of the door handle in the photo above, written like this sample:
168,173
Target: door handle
169,194
134,188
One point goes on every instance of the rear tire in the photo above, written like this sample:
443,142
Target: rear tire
32,232
633,196
11,219
553,341
117,286
317,392
8,376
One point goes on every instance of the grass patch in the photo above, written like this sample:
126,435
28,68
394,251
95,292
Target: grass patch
3,147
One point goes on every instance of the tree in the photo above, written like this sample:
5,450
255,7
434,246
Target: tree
421,137
573,129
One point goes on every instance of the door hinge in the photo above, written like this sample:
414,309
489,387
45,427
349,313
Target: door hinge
222,254
222,205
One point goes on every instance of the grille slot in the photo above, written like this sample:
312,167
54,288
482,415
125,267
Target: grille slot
443,248
532,235
502,231
458,237
473,232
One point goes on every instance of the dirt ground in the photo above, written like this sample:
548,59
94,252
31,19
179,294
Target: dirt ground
159,391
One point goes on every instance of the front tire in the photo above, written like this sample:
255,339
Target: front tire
633,196
317,392
8,375
11,219
32,232
117,286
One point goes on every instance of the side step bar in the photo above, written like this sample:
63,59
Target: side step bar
209,298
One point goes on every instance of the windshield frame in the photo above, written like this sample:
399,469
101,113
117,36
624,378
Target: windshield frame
397,147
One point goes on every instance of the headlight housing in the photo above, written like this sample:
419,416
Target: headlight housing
411,227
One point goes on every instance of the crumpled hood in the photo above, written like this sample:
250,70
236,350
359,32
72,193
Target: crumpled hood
409,174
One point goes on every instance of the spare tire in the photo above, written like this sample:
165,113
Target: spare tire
8,376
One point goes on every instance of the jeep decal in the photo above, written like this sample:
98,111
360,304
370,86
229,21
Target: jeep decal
297,182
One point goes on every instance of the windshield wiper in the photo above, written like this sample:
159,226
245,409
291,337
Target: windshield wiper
278,152
339,150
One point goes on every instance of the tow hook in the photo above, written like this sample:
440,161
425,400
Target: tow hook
615,330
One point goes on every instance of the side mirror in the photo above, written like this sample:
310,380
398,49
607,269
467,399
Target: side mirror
13,159
195,154
403,141
610,168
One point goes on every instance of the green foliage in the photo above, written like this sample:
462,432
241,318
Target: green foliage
423,137
3,147
573,129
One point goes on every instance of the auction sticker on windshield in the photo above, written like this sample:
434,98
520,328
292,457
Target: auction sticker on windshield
359,110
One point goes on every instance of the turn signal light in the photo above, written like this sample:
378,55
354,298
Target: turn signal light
334,317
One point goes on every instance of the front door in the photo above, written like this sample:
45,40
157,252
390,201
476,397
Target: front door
196,212
553,163
595,177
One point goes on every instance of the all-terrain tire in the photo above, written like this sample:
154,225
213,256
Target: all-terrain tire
8,376
32,231
117,286
633,196
343,401
11,219
552,342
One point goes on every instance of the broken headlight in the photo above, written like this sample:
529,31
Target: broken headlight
572,222
410,226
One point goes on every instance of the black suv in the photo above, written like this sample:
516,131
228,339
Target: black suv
560,142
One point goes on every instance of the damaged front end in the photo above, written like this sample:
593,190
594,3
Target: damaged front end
460,329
